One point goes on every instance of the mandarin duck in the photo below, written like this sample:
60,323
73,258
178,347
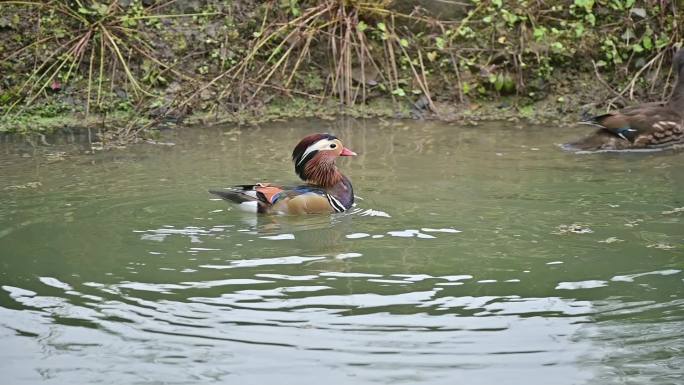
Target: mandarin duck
326,189
648,125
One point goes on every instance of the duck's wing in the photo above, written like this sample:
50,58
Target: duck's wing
268,198
307,199
251,197
645,125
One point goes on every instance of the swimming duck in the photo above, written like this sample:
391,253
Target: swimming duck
326,189
648,125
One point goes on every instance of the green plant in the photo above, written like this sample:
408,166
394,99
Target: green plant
343,39
93,42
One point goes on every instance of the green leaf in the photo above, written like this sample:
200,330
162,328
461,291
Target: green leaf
508,83
510,18
465,31
399,92
637,48
362,26
527,110
647,42
586,4
101,9
498,3
294,9
499,82
404,43
590,18
440,42
662,42
557,47
382,27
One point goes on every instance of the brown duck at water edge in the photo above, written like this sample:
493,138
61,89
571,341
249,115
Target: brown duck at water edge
644,126
326,190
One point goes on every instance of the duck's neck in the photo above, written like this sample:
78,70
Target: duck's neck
677,99
323,173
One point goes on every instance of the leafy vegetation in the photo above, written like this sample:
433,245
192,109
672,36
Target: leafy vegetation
163,59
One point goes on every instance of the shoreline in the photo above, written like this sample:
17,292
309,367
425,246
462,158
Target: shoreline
508,109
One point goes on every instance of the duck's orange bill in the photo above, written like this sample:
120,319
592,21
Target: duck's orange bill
347,152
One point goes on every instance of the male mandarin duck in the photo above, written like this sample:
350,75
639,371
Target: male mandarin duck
648,125
326,190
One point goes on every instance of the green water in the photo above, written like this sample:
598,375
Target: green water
475,255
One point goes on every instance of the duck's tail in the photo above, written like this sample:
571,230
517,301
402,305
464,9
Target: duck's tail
248,198
235,195
593,120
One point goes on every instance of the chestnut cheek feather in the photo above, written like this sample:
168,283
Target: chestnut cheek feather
321,171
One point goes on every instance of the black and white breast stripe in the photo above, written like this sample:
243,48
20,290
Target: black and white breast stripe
335,203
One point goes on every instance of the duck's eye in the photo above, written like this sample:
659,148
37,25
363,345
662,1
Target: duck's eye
333,145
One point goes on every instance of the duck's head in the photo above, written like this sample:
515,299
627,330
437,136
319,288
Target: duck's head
314,157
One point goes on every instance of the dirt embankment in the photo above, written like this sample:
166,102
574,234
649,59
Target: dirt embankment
131,66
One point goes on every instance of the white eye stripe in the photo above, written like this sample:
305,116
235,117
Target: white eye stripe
318,146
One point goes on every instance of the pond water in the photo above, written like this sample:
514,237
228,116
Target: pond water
474,255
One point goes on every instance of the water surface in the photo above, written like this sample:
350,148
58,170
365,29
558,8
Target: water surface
474,255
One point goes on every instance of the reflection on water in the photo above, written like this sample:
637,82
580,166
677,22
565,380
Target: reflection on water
474,255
